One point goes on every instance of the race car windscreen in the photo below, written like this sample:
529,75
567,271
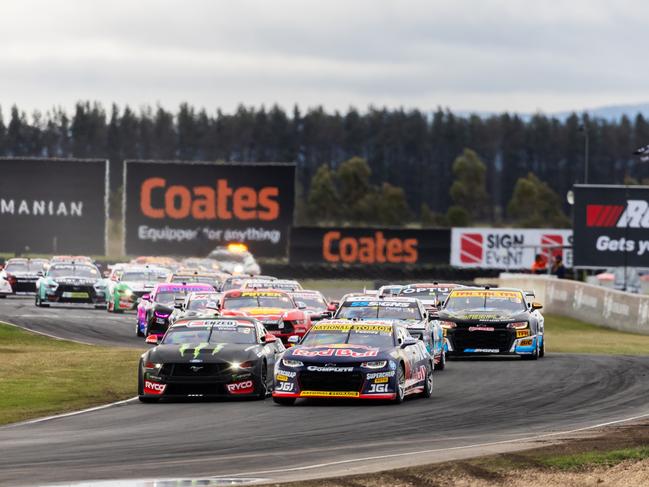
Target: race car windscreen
211,331
378,336
258,300
203,302
168,298
84,271
24,267
372,310
225,256
130,276
312,301
511,301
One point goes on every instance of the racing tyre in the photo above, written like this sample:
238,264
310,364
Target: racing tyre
2,296
137,330
428,385
100,306
401,385
533,356
284,401
40,303
263,382
442,361
542,350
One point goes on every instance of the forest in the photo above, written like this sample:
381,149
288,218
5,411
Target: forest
378,165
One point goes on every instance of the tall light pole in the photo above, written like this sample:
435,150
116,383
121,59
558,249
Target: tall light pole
584,128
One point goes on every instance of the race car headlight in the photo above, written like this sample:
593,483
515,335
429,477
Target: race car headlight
126,292
518,325
238,268
53,285
291,363
448,325
242,365
377,364
152,366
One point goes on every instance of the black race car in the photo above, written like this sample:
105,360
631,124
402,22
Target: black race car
357,360
483,321
71,283
24,273
212,357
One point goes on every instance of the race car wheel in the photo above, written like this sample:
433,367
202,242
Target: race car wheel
284,401
100,306
542,350
263,382
428,385
401,385
137,330
40,303
442,361
533,356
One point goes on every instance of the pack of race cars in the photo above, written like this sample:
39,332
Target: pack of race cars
214,334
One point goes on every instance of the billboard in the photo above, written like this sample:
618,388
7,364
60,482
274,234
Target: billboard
53,205
369,246
508,248
189,208
611,225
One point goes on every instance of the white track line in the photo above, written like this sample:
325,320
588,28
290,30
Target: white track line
67,415
436,450
47,334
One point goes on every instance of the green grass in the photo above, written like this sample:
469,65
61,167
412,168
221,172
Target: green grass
595,458
40,375
568,335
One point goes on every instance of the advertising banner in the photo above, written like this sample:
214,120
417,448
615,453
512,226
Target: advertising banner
190,208
369,246
53,205
611,225
508,248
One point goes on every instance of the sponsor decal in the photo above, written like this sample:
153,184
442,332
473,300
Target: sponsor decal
281,377
218,348
481,328
257,294
486,294
287,373
481,350
371,249
285,387
522,333
381,380
526,343
374,388
154,387
345,327
315,368
329,352
244,387
603,215
329,394
471,248
382,304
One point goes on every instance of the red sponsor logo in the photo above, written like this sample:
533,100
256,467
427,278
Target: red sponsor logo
471,248
420,373
154,387
603,215
245,387
340,352
552,246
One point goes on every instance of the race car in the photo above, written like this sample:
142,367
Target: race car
235,259
127,284
197,304
431,294
280,284
276,310
71,283
23,273
358,360
224,357
154,309
408,311
315,304
483,321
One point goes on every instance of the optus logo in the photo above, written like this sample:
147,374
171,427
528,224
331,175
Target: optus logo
218,202
371,249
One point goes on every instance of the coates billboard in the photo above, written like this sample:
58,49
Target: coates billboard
368,246
508,248
53,205
189,208
611,225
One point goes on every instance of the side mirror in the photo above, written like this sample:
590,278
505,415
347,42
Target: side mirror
300,305
268,338
152,340
293,340
536,305
333,306
408,342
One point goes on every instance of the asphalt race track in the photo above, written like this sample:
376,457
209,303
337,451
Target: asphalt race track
475,402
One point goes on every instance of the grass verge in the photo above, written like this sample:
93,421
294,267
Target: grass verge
40,375
568,335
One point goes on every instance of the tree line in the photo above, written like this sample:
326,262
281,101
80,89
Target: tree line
412,164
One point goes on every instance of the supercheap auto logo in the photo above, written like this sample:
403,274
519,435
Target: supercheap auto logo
635,214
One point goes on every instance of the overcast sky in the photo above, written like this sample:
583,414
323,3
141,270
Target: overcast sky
484,55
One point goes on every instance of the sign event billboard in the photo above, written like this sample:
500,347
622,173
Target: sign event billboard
53,205
508,248
189,208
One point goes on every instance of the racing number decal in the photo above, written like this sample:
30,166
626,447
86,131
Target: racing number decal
285,387
378,388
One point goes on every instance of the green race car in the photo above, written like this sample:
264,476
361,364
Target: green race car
126,285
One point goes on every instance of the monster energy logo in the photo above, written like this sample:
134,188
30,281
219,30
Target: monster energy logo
218,348
197,349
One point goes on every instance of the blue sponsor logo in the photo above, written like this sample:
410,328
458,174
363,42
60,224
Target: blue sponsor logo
360,303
